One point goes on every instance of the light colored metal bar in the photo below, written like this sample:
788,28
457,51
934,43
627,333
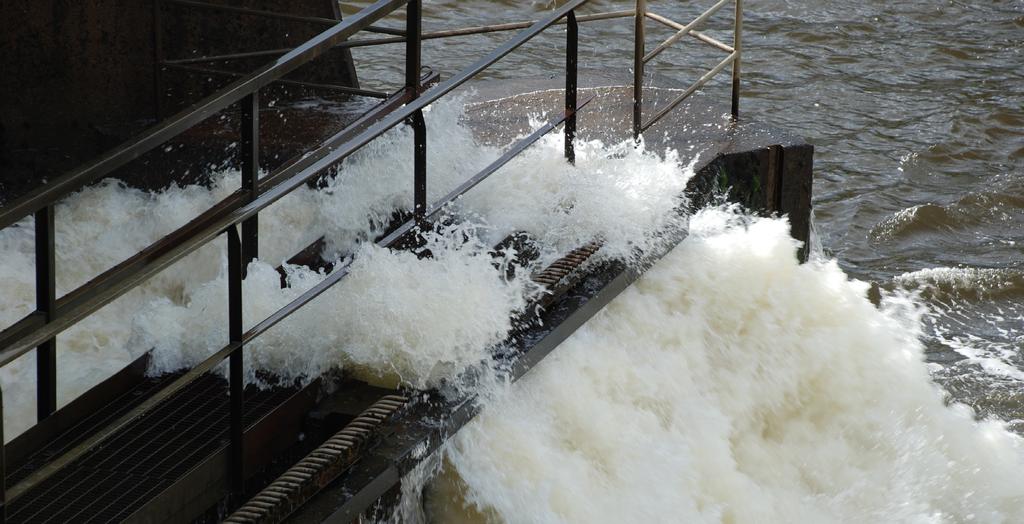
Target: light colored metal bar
737,44
696,34
686,30
430,35
483,29
696,85
713,42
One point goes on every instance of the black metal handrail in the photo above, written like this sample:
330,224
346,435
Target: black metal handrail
53,315
241,208
186,64
177,124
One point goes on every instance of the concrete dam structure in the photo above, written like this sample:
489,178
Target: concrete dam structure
236,145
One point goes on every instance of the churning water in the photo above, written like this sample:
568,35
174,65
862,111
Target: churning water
396,317
730,384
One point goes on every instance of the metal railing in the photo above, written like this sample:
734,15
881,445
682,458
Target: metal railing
161,62
236,215
239,212
640,14
640,58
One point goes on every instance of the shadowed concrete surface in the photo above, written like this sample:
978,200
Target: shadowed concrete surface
80,77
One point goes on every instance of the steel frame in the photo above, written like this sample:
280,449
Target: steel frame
52,316
640,58
236,216
640,13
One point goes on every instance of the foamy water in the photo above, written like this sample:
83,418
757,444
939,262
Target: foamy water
395,318
729,385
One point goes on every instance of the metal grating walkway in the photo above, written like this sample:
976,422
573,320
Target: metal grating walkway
112,481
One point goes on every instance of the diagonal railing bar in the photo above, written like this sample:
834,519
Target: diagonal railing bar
641,57
690,90
693,32
119,279
392,240
434,211
685,30
149,255
243,206
177,124
236,215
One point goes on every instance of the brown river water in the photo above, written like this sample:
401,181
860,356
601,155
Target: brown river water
916,111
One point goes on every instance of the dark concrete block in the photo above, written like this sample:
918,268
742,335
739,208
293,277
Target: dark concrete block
77,78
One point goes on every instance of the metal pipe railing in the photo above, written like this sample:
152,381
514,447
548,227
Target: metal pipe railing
175,125
640,59
51,315
685,30
242,208
236,216
693,32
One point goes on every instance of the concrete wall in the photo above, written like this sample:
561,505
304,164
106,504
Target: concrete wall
72,71
77,77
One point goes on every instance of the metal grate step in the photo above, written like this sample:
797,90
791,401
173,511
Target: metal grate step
112,481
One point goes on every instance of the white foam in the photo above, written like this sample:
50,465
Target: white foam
973,279
394,318
731,384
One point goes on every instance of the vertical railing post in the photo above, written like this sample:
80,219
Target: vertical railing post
250,174
158,60
419,128
236,450
737,43
46,298
413,57
638,65
413,44
571,58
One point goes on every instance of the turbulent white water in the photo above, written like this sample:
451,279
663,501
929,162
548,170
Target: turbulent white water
729,385
394,318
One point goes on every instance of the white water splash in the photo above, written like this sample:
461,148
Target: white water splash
395,318
731,384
